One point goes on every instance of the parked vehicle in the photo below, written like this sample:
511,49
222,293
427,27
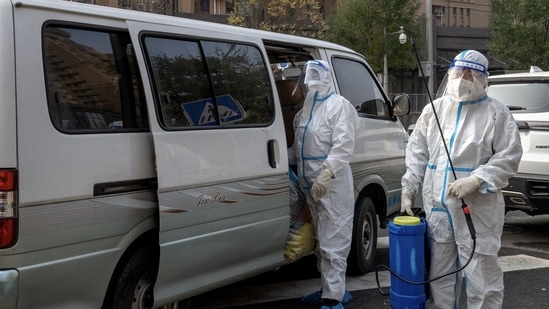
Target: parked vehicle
527,95
144,157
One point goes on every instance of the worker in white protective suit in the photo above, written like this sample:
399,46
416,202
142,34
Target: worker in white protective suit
324,143
484,146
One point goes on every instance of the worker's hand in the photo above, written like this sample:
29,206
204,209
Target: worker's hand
464,186
406,204
321,184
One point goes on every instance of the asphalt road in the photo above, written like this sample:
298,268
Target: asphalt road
524,256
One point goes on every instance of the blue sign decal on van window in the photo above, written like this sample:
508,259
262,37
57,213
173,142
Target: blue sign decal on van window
201,112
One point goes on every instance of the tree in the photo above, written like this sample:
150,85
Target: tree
299,17
520,33
361,24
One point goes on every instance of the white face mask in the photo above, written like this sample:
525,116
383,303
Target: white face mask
461,89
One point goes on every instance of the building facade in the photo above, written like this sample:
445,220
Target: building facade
460,13
459,25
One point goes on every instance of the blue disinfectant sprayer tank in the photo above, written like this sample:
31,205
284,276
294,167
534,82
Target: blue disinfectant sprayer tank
406,257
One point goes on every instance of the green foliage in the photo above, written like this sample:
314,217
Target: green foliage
298,17
360,25
520,33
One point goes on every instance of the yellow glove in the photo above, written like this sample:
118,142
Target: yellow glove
406,204
464,186
321,184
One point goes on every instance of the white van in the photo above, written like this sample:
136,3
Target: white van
143,157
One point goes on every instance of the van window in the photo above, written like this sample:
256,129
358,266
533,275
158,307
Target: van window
92,80
205,83
359,86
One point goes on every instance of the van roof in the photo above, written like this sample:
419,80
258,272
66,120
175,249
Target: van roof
138,16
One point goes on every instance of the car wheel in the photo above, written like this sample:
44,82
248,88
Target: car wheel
133,289
364,242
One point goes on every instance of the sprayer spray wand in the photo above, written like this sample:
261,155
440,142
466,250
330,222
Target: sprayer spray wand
464,206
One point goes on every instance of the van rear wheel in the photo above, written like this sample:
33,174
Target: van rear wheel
134,287
364,242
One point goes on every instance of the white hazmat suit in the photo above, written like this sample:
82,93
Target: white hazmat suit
323,146
484,145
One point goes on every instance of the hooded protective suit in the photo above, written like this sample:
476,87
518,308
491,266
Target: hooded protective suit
323,146
484,145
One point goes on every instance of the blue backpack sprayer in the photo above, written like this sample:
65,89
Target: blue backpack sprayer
407,251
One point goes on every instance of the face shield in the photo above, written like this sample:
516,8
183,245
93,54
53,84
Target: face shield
467,77
315,75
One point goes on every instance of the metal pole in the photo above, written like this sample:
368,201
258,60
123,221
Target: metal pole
385,69
429,35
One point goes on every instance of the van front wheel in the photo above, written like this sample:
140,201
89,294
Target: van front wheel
364,242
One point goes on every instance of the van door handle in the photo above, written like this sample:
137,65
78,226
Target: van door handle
271,144
125,186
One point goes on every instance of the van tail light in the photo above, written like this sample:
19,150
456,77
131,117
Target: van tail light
8,208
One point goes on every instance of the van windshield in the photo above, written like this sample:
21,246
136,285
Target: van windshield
522,97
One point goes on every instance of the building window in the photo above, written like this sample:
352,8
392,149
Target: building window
201,6
438,10
229,6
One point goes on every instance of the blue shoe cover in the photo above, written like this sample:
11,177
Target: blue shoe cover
313,298
347,297
338,306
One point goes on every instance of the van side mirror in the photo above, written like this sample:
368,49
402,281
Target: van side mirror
401,105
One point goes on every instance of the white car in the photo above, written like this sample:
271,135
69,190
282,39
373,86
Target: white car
527,95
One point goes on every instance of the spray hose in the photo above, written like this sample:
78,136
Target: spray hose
464,206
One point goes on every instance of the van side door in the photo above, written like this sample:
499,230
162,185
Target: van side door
220,155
